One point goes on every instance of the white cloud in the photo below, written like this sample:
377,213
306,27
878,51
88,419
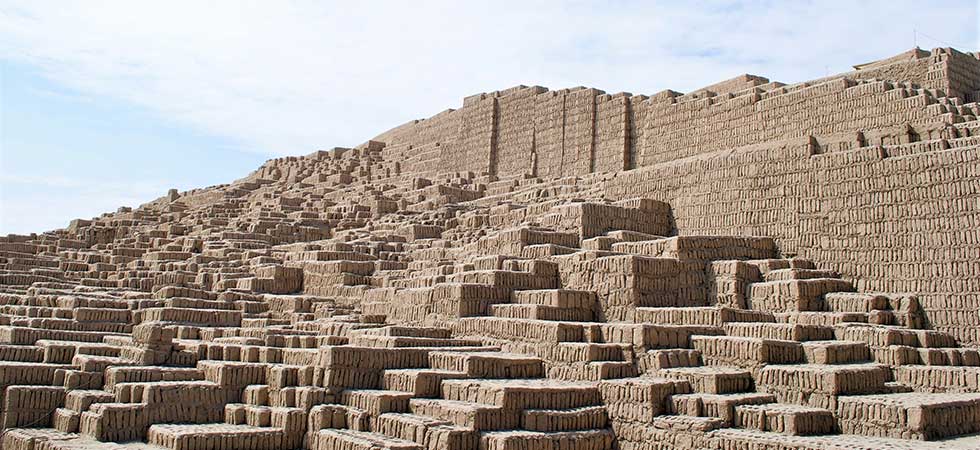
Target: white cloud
287,77
40,203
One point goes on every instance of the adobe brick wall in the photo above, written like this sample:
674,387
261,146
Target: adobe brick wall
901,224
749,156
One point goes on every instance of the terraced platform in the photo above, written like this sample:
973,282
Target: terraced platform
537,270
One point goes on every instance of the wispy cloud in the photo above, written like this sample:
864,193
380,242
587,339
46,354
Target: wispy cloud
38,203
87,184
286,77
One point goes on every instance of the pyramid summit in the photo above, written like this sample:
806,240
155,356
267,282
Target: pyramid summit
750,265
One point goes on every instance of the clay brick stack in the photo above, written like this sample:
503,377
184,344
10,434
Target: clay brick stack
749,265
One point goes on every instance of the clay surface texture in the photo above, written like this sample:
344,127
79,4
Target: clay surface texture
748,266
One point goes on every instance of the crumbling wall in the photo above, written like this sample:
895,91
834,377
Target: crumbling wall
515,134
683,129
611,135
580,113
962,75
471,152
581,130
894,224
549,133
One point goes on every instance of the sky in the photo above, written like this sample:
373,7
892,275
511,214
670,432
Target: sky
111,103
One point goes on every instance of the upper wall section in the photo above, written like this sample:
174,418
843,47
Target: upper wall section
551,134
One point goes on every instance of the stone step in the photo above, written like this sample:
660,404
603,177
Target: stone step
700,315
835,352
794,295
592,370
139,405
599,243
80,400
156,392
653,336
406,331
683,424
798,274
667,359
949,356
721,406
746,352
855,302
30,405
62,352
641,399
544,251
488,364
55,324
702,248
780,331
632,236
910,416
744,438
521,330
559,298
821,318
66,420
433,434
523,394
218,435
541,312
575,419
130,374
768,265
939,379
424,383
336,416
376,401
15,335
368,340
586,351
525,440
712,380
476,416
25,353
292,421
508,279
794,420
331,439
95,363
884,335
821,385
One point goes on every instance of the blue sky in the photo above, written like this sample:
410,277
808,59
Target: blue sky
67,155
109,103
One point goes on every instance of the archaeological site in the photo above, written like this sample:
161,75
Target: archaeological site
752,265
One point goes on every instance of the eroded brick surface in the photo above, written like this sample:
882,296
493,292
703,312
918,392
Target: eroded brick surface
751,265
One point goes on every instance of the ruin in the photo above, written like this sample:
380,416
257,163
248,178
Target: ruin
748,266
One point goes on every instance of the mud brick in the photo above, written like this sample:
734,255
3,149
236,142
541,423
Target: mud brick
788,419
639,399
514,440
488,365
711,380
721,406
746,352
835,352
424,383
909,416
376,402
434,433
794,295
821,385
497,276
